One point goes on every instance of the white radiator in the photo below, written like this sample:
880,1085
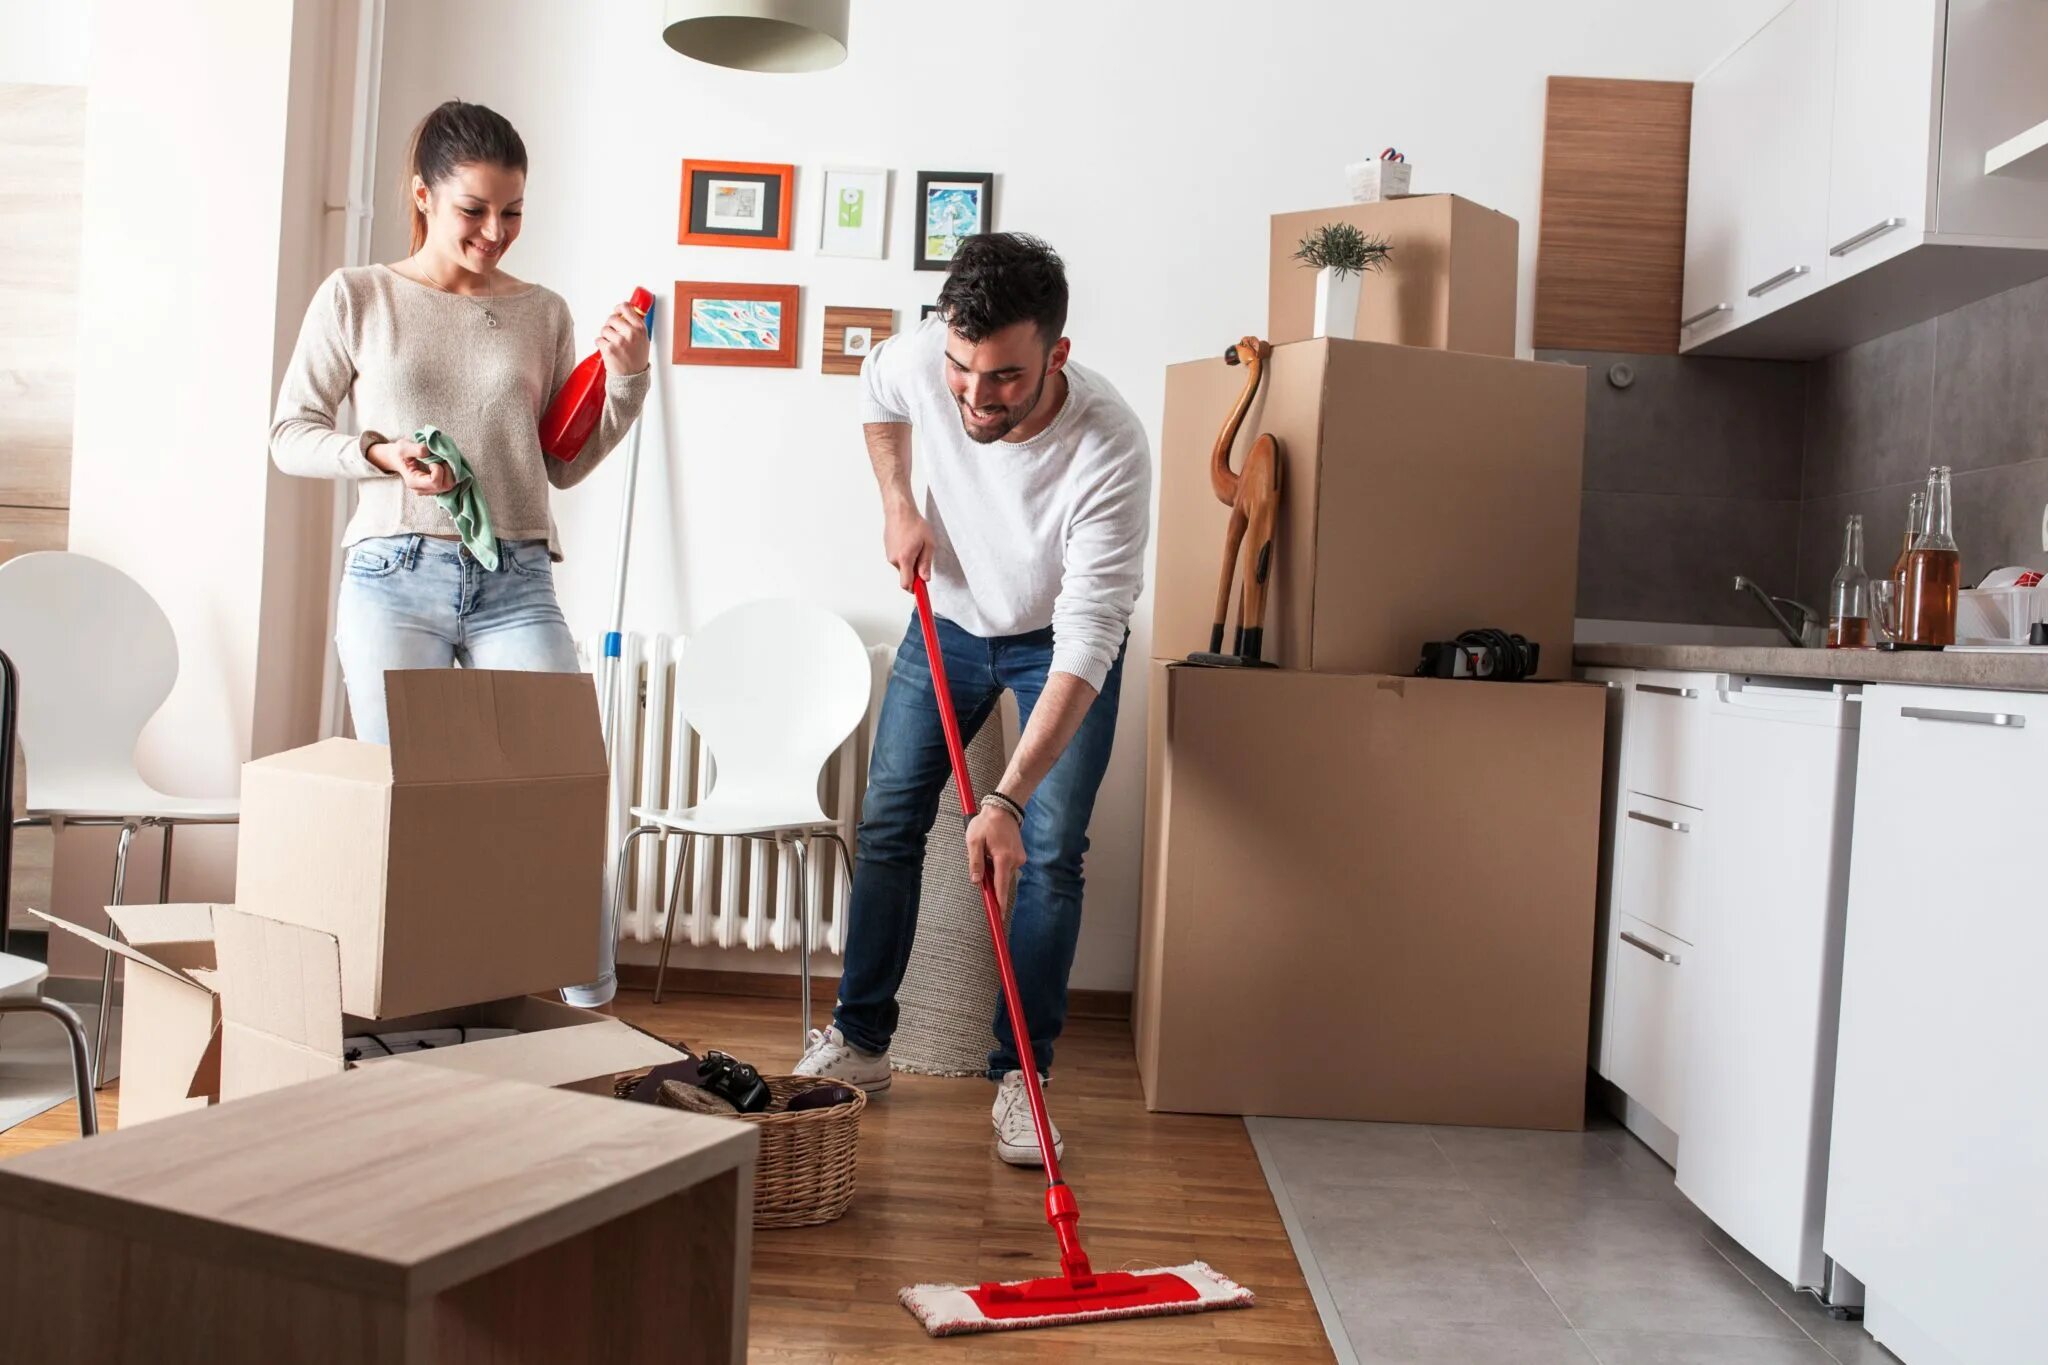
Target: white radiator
737,893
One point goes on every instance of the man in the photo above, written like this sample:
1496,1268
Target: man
1032,537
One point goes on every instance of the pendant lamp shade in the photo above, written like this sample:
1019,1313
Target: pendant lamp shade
758,35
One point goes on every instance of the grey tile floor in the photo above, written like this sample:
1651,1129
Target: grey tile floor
1456,1246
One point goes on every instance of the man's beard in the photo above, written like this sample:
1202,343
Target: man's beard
1016,415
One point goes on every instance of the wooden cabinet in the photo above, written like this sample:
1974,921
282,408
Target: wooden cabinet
1840,162
1938,1182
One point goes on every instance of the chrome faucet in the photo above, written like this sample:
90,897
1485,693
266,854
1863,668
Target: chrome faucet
1808,617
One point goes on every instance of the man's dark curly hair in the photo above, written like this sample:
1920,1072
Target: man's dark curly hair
999,279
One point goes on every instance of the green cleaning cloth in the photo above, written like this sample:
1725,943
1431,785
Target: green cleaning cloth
465,501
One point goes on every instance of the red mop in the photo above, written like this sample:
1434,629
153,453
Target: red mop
1078,1293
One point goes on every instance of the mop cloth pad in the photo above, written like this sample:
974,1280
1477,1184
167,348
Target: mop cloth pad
465,501
948,1310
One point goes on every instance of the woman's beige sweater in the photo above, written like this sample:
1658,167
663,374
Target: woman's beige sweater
407,355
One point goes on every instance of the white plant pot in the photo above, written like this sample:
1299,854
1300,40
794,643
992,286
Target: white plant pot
1337,304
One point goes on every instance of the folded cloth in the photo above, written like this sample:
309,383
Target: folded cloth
465,501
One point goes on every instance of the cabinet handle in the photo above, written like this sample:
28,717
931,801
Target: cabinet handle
1675,826
1697,318
1869,234
1757,291
1652,949
2003,719
1685,693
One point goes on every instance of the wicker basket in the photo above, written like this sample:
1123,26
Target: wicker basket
805,1173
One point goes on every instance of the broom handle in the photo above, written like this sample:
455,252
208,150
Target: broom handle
989,900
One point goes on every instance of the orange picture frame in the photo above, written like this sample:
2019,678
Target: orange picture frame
736,203
753,325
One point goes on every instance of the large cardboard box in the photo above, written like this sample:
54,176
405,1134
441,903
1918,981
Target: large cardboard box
1368,897
170,1007
463,863
282,1021
1449,283
1421,493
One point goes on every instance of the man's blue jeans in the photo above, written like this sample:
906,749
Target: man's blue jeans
906,776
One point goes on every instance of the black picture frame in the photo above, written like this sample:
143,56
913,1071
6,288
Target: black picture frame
984,184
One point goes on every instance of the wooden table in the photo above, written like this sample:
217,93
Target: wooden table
391,1214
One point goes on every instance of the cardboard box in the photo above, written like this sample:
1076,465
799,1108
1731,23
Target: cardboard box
1368,897
463,863
1421,493
1449,284
282,1021
170,1009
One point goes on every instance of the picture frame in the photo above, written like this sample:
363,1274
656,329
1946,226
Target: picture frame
853,212
851,334
747,325
926,310
736,203
951,206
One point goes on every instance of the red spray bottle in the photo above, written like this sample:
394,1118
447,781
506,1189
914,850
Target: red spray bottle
570,419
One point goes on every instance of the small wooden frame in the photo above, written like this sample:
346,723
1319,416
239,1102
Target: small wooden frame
735,324
737,203
844,324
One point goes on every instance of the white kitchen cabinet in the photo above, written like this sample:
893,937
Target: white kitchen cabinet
1667,746
1613,789
1938,1180
1659,872
1859,131
1646,1058
1762,990
1788,74
1712,300
1887,78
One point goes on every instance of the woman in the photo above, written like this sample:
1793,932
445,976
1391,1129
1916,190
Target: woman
445,338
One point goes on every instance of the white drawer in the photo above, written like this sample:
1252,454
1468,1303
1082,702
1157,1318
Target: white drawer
1659,869
1648,1029
1667,735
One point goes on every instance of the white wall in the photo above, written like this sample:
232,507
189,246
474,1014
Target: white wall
1148,142
44,42
201,121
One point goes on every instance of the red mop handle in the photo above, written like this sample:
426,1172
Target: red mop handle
1060,1208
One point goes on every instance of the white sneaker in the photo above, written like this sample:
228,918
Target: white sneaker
829,1054
1016,1135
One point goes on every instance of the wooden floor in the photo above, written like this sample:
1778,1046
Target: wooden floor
934,1205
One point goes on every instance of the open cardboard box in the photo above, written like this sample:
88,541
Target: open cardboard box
465,862
282,1021
170,1009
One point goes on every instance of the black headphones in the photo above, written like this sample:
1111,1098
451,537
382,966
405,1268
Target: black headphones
1488,653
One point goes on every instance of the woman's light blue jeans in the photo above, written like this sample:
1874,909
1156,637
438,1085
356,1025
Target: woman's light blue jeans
422,602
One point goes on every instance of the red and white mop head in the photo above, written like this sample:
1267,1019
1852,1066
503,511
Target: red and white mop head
953,1310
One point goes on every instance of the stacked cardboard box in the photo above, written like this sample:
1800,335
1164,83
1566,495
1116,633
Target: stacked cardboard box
1369,895
431,884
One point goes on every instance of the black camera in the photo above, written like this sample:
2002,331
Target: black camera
733,1081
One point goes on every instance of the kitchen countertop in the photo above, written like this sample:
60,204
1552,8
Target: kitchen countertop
2010,672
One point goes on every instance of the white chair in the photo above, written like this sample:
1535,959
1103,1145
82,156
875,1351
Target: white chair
21,983
97,658
773,688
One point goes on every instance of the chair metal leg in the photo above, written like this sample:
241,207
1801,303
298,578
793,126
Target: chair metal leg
671,910
99,1054
81,1055
163,881
617,913
801,845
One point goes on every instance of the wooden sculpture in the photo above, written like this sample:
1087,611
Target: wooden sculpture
1253,498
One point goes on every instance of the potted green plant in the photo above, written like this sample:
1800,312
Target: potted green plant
1340,254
